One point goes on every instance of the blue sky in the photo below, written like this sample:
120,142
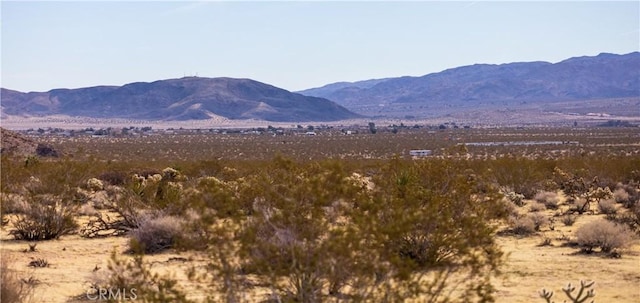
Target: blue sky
294,45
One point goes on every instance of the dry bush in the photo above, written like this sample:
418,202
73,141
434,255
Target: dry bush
607,207
12,288
539,220
156,233
631,218
549,199
12,203
627,194
568,219
620,195
134,281
45,219
581,205
536,207
522,225
113,177
604,234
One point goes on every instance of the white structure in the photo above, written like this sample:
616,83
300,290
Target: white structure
420,152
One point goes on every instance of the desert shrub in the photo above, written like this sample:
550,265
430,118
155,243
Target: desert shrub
627,194
522,225
603,234
12,288
45,219
46,150
155,233
607,207
299,248
125,202
568,219
539,220
370,244
620,195
113,177
630,218
572,184
525,176
134,279
536,207
581,206
549,199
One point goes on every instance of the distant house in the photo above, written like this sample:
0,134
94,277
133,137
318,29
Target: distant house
420,152
310,133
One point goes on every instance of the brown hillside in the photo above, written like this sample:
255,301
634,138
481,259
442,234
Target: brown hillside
18,145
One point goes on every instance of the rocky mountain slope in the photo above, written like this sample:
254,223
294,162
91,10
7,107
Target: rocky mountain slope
177,99
15,144
485,85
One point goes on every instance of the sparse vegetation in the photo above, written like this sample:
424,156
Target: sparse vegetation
366,226
44,219
549,199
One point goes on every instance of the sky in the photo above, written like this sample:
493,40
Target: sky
294,45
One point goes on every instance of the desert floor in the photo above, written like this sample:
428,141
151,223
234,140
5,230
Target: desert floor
74,261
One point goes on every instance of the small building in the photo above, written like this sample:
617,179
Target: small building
310,133
420,152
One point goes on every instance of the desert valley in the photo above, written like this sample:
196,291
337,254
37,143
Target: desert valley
482,183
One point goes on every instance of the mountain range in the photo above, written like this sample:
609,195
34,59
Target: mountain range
189,98
608,83
485,85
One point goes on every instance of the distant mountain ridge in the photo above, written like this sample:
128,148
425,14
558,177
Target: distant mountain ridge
189,98
580,78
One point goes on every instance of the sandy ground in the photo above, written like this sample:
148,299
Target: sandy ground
474,118
529,268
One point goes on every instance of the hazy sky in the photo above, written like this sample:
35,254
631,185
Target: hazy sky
294,45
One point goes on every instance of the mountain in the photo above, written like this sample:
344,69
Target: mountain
484,85
177,99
